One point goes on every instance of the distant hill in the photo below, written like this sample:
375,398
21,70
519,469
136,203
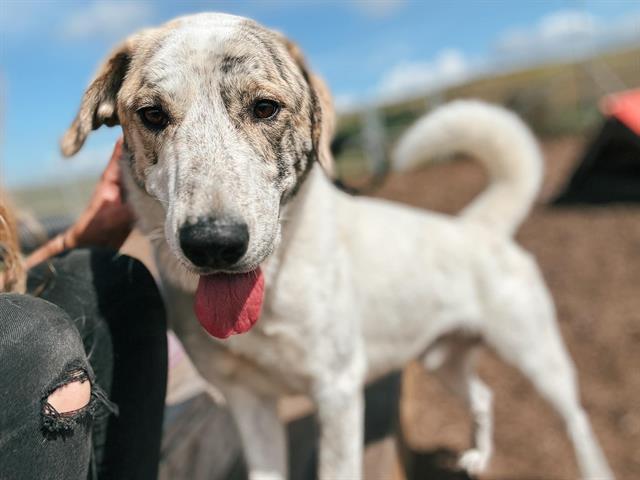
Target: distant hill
45,201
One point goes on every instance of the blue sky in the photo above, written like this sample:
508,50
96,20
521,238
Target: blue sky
368,52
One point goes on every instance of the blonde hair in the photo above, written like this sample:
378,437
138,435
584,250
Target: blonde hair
12,272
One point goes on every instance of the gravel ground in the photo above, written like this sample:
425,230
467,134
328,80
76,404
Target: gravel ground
590,259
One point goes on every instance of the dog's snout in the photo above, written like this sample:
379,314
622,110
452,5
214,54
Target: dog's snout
214,242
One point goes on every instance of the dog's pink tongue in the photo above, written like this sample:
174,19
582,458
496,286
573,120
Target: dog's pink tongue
227,304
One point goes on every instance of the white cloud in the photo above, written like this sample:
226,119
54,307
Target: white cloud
567,24
407,78
345,102
378,8
566,34
107,19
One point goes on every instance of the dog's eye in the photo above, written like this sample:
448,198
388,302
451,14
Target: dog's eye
264,109
154,118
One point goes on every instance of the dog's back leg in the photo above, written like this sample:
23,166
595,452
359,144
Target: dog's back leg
528,337
452,362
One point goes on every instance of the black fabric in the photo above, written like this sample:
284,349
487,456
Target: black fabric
38,342
609,170
110,323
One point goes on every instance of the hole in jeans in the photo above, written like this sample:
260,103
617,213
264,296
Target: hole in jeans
71,397
68,404
72,401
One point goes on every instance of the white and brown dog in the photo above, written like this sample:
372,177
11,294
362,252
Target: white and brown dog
224,127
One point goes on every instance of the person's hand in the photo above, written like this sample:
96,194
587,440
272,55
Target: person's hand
107,220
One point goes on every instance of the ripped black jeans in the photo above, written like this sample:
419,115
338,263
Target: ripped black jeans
92,316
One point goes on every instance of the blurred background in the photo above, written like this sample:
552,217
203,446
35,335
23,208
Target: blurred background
570,68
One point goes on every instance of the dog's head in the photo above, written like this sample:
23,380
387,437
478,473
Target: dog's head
222,121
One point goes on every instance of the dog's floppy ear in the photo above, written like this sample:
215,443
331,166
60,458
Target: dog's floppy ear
323,115
98,104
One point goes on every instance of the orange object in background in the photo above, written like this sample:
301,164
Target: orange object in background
625,106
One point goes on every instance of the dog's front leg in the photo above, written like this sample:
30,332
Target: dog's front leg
262,433
341,417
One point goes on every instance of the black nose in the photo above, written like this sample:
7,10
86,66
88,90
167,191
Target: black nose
214,242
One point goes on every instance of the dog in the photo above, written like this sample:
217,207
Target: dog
227,166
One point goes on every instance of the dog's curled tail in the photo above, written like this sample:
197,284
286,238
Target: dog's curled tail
498,139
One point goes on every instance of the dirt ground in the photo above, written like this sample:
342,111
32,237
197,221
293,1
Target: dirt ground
590,257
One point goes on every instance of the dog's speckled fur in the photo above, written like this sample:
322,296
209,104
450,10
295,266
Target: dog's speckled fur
355,287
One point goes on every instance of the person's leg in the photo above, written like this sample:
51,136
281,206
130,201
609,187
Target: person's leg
119,312
47,397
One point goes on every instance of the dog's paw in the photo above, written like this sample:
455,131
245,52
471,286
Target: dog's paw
473,461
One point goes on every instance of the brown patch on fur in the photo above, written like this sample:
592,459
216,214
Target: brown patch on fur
302,132
99,105
323,115
230,63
